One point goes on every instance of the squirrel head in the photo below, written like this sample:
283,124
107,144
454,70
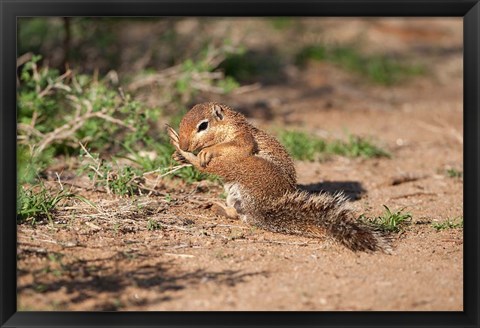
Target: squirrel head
203,126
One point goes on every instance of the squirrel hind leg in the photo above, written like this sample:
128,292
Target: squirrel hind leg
226,211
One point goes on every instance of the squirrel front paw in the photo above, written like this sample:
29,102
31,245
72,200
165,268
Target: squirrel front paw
205,156
179,158
180,155
174,139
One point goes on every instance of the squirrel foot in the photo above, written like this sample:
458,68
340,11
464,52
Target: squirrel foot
222,210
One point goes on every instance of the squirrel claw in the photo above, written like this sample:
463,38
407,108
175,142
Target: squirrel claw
177,157
174,139
204,157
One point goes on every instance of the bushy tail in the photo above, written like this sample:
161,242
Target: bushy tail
315,214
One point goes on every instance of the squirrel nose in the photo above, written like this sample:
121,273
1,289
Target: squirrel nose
184,144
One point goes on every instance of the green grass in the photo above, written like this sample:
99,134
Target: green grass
36,205
389,221
282,23
116,179
302,146
356,147
450,223
454,173
153,225
380,69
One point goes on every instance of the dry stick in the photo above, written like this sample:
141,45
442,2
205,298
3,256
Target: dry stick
50,86
70,128
81,187
114,120
151,191
24,58
65,130
30,129
164,76
59,181
34,119
247,88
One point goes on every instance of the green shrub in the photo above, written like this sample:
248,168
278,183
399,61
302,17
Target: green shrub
450,223
389,221
37,203
302,146
380,69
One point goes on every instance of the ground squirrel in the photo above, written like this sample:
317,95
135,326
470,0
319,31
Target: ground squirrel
260,179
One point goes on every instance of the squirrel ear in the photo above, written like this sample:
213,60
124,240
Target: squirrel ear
217,112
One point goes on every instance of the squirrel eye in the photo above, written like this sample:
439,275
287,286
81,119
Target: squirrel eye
203,126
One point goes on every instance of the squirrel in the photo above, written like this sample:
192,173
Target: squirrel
260,180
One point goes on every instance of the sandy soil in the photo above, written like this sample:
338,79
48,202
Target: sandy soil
107,259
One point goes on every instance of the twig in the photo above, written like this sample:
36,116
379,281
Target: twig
246,88
65,130
59,181
24,58
50,86
30,129
114,120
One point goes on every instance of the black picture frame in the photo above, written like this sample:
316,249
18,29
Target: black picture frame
10,10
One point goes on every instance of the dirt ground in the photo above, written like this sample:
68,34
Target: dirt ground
107,259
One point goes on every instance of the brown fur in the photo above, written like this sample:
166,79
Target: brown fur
260,179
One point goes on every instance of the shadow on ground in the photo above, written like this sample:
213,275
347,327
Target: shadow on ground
353,190
84,280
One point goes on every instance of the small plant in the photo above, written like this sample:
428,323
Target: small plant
356,147
377,68
119,180
35,205
450,223
282,23
389,221
153,225
454,173
301,146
